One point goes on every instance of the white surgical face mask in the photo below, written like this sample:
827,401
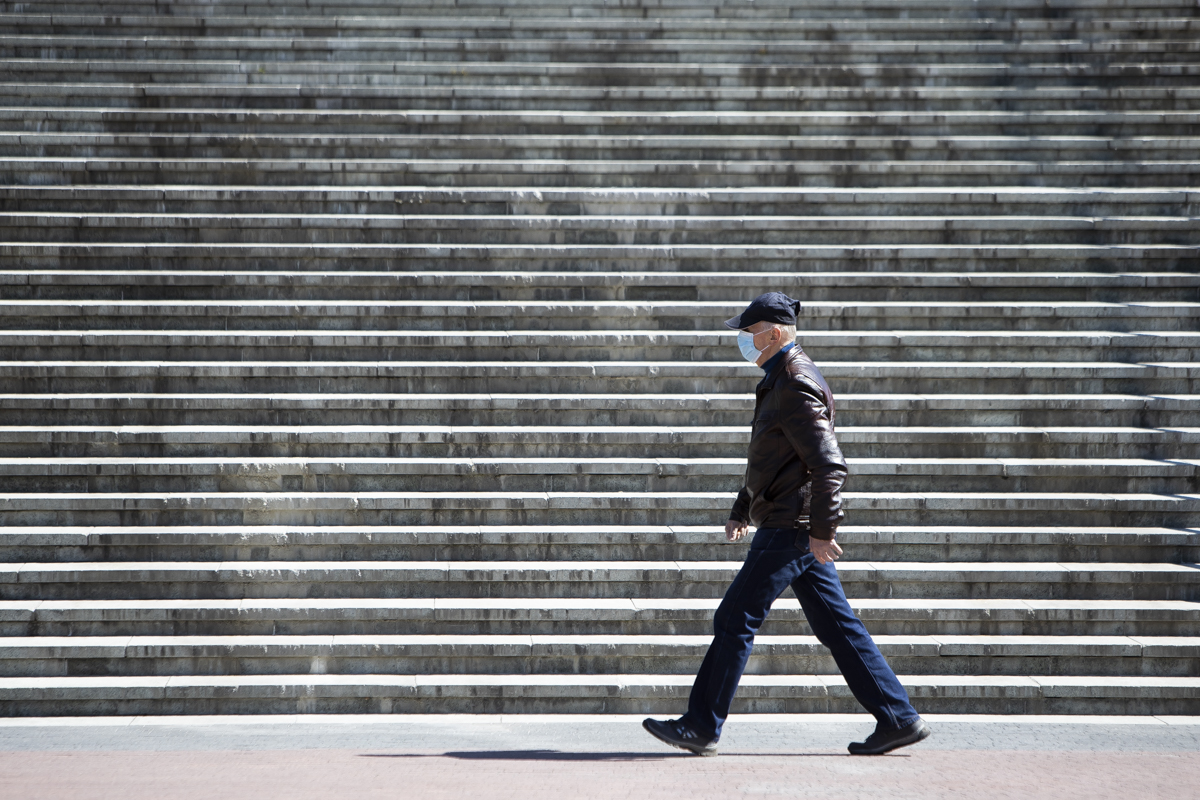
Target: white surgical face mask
746,345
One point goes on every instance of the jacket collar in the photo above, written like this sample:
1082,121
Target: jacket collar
780,367
775,359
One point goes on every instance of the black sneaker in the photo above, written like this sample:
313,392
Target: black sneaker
678,733
881,742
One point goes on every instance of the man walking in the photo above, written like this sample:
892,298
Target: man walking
792,495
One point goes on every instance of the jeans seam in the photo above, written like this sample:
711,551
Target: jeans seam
858,655
758,555
719,636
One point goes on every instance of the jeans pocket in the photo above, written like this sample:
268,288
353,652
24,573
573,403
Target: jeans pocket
800,541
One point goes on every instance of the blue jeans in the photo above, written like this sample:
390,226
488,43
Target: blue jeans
773,563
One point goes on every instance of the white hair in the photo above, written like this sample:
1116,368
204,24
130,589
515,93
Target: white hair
789,331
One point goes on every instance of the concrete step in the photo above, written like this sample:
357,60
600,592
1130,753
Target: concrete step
1008,169
690,327
86,88
510,694
229,84
582,260
657,694
591,10
297,507
917,73
551,441
575,543
591,654
511,229
592,202
148,344
688,409
457,127
1176,46
317,200
603,146
1032,288
575,579
580,616
640,377
436,22
578,474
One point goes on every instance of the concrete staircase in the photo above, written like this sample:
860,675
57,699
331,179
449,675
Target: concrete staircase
367,357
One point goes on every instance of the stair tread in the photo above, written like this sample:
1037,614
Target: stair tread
830,307
507,251
598,532
531,498
1029,194
513,645
645,70
433,21
343,43
592,465
327,279
1006,343
109,89
460,433
783,605
691,368
699,399
532,681
726,142
721,569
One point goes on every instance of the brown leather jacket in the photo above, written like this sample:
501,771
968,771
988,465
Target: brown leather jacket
794,469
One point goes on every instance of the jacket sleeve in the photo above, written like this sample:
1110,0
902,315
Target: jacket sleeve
805,422
741,507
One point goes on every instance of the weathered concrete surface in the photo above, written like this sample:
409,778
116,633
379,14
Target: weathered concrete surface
536,757
368,357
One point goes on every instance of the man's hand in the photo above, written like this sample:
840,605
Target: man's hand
735,530
826,551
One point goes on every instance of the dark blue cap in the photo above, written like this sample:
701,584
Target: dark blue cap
770,307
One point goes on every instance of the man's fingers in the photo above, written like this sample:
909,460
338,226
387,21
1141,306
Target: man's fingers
826,552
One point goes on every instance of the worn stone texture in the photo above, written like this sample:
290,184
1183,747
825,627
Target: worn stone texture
364,358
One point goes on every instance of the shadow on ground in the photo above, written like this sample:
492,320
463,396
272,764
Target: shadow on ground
559,755
532,755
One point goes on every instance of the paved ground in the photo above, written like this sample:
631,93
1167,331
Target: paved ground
611,757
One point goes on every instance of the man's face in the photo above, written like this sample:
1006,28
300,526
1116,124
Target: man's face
762,340
766,337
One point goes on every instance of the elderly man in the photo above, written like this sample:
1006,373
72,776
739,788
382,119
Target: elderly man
794,476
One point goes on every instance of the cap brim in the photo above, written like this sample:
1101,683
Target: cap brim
735,323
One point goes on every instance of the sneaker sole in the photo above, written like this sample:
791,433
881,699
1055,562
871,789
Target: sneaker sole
703,751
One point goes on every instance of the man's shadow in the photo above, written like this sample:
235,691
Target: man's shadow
532,755
559,755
